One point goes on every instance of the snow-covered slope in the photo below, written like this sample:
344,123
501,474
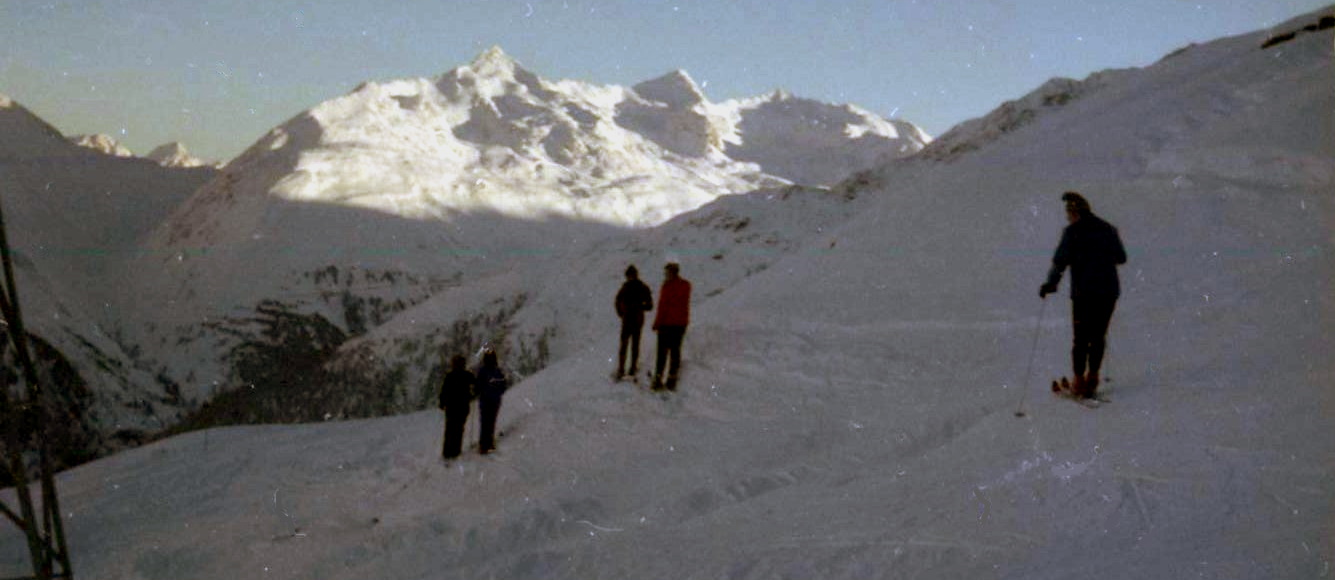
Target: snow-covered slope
537,315
812,142
370,203
74,218
849,412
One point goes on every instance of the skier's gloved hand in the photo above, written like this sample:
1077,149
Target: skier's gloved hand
1046,289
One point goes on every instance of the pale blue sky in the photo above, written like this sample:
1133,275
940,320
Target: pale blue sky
218,74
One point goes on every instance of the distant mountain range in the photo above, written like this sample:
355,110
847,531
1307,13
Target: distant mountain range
363,210
172,154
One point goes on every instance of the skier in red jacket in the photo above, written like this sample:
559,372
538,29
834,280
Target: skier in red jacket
674,313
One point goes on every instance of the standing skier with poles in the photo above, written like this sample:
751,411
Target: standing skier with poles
1092,249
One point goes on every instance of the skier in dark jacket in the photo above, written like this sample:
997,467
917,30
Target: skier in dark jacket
491,384
456,396
632,301
674,313
1091,248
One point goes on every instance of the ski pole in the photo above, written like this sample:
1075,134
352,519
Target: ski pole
1029,370
468,425
1107,354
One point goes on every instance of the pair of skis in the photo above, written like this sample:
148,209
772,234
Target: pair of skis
1062,388
662,389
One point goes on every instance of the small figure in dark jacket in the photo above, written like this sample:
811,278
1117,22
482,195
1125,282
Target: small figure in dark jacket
1091,248
456,396
674,313
491,384
632,301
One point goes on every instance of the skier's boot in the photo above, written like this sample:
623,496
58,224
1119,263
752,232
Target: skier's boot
1078,387
1091,385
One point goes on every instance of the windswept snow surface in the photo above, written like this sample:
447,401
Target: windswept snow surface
849,412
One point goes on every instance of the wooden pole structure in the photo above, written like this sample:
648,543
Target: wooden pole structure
45,532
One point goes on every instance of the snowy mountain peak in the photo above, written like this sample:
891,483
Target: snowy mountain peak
24,135
491,136
491,75
494,60
102,143
174,154
676,89
779,129
495,56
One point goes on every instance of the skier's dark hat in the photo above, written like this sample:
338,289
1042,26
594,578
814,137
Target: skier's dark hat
1076,203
